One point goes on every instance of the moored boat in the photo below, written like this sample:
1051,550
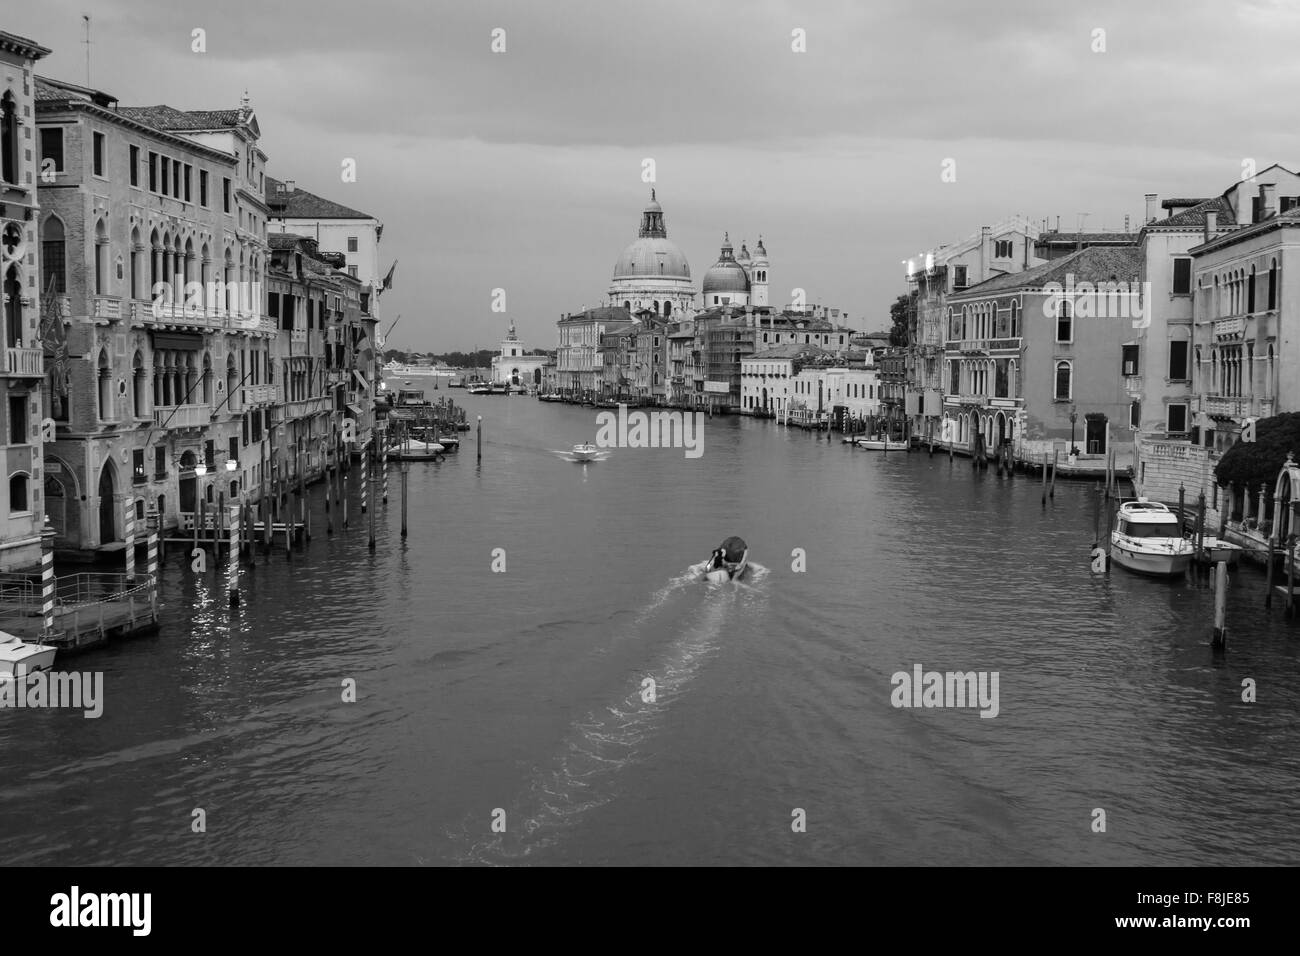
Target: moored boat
1147,539
18,658
417,449
881,444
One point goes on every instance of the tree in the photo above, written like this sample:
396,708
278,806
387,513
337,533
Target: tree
900,314
1250,464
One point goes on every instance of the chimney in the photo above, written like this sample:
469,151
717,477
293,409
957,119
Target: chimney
1127,228
1152,206
289,185
1211,225
986,253
1267,200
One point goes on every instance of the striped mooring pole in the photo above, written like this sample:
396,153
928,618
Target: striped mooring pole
365,474
129,525
383,467
153,570
48,582
234,558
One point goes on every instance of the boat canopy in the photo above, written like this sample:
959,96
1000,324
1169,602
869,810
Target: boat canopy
1135,528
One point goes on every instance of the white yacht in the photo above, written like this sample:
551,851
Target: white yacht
17,656
1148,539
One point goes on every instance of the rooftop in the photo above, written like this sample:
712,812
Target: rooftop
1093,264
293,202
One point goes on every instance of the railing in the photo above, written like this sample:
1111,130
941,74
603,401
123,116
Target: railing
180,315
1227,328
260,394
27,362
182,416
966,399
973,345
306,406
996,345
1220,405
107,307
26,596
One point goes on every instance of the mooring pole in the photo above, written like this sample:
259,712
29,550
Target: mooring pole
1044,478
1220,637
480,438
1182,509
364,477
1055,456
233,584
405,465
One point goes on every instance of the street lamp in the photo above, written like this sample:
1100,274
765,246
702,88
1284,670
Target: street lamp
1074,417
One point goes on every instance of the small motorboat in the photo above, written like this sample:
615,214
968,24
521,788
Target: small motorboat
728,561
1215,550
1148,540
585,452
17,657
881,444
417,449
449,443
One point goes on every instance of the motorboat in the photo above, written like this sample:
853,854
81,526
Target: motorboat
585,452
1148,539
1216,549
881,444
728,561
17,657
417,449
449,443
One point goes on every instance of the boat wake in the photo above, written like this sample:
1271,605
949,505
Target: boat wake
584,776
567,455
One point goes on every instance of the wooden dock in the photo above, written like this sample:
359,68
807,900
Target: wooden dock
89,610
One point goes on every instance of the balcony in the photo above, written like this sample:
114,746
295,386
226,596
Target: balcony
1227,406
978,400
1003,345
180,317
182,416
259,395
973,346
306,407
106,307
25,363
1230,328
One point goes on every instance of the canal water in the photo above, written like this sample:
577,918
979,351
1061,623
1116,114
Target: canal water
523,696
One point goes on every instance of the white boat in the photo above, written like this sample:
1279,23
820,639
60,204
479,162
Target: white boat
585,452
728,561
881,444
416,449
19,657
1148,539
1217,550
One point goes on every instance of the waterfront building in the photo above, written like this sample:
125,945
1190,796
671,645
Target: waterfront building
766,377
615,356
1021,367
652,272
513,366
579,366
356,235
648,343
893,369
681,364
1000,249
23,275
312,302
154,230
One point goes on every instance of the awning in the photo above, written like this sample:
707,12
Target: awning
190,341
354,409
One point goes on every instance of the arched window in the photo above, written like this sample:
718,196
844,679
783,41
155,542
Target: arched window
1015,319
18,493
138,404
136,250
8,138
53,256
1272,284
627,304
105,389
1064,381
205,392
13,299
1064,321
101,258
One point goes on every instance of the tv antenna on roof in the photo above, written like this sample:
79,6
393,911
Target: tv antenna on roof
86,17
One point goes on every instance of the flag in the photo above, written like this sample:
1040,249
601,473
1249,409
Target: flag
388,279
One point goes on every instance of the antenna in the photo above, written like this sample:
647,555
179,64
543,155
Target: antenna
86,17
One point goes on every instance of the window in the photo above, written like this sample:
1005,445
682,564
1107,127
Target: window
188,171
1182,275
1002,249
8,138
233,452
53,256
99,154
137,465
160,461
18,419
203,188
52,147
153,171
1135,415
133,164
1272,285
1064,381
18,493
1130,360
1064,321
225,194
352,243
352,271
959,277
1178,361
1176,423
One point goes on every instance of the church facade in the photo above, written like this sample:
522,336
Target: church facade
513,367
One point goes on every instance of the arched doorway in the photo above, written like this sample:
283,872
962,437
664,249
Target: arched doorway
537,376
108,503
55,504
765,408
188,483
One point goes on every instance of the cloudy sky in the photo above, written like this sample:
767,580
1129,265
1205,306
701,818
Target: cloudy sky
522,170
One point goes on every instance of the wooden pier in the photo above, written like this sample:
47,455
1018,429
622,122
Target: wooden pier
89,609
